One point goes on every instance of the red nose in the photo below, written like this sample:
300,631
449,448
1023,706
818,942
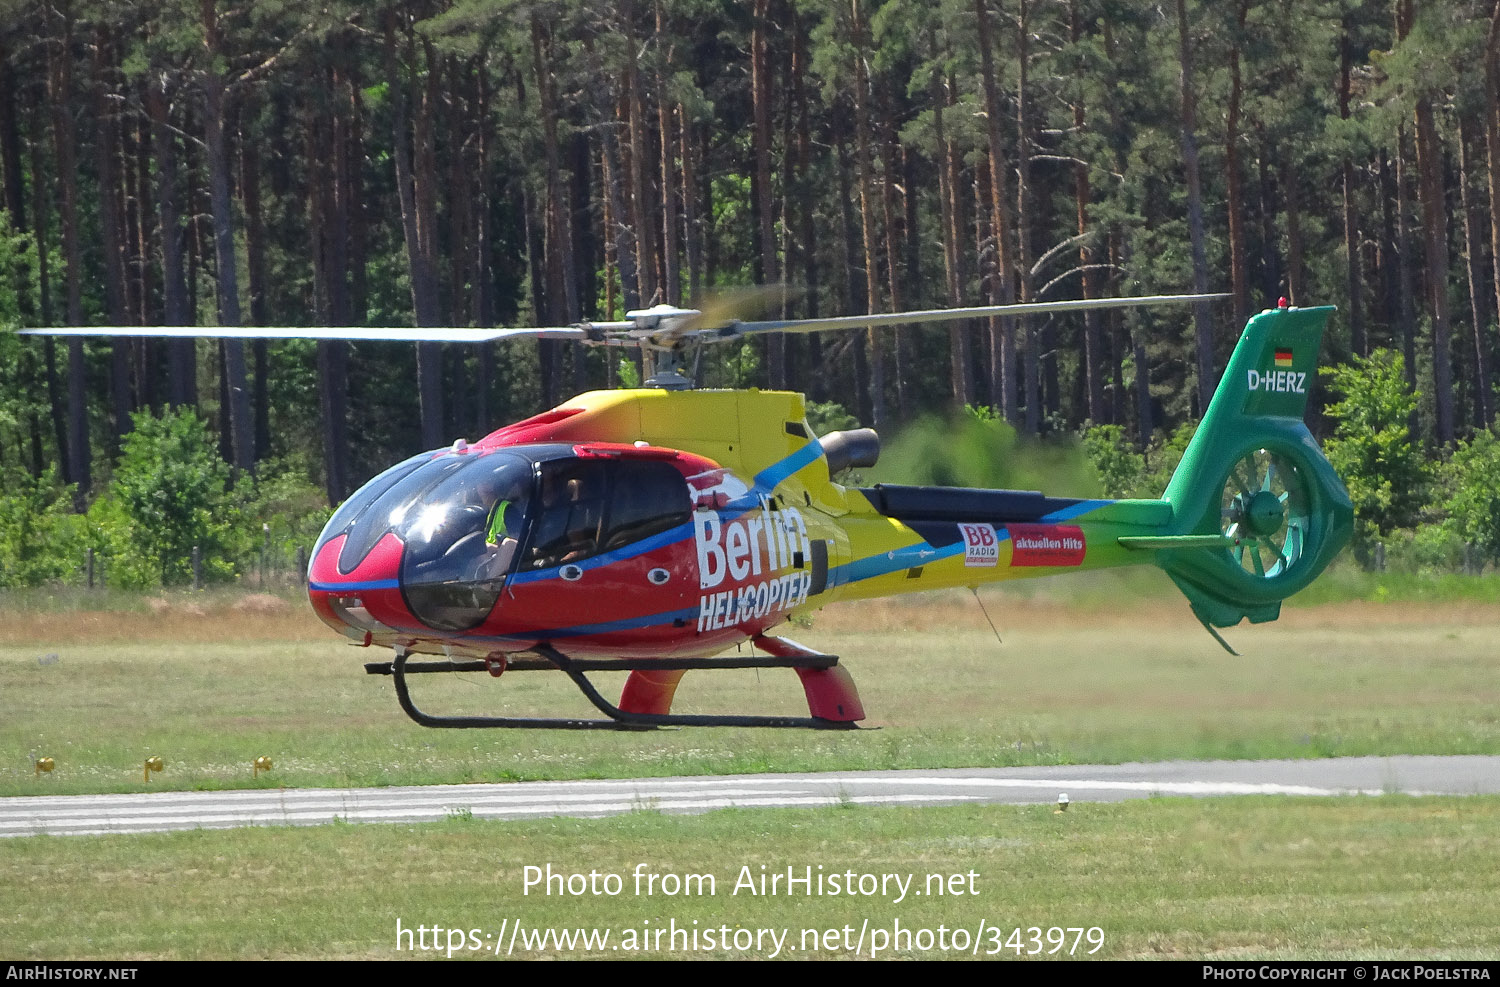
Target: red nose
367,599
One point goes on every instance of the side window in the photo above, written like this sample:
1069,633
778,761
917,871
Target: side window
592,506
648,498
571,511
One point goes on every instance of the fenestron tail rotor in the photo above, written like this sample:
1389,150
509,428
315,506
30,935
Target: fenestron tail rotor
1254,480
1265,513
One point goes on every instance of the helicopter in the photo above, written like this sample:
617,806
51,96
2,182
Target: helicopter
652,529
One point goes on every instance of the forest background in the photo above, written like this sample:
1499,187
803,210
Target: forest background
497,162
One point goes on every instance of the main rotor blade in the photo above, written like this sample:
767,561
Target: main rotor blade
724,306
708,325
435,334
951,314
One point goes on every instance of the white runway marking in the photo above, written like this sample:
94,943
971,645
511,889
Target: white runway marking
161,811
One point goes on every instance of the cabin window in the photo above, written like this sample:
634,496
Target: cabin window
588,507
649,498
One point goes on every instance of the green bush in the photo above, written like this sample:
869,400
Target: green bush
1471,480
172,492
1120,468
280,510
829,416
1124,473
978,450
41,540
1429,548
1372,449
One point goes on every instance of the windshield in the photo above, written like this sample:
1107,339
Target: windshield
357,509
461,532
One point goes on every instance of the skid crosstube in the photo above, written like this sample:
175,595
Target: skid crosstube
618,719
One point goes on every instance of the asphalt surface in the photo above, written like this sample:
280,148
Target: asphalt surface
161,811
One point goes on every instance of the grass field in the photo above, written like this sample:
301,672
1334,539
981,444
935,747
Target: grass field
211,685
1097,670
1174,878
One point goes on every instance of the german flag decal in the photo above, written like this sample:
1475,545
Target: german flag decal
1283,357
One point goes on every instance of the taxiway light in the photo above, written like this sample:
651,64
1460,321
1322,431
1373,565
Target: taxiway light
1062,802
262,763
153,763
43,764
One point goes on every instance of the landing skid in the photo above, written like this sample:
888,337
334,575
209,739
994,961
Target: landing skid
619,719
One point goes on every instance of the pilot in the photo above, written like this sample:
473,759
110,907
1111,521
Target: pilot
501,536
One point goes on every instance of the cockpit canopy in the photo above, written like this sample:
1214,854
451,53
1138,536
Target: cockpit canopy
470,521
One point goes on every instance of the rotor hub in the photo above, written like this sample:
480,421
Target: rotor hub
1264,514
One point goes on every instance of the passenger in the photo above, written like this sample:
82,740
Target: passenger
582,530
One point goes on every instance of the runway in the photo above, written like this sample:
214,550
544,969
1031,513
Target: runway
68,815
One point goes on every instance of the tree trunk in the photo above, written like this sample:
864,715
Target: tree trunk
1234,189
1354,284
331,201
181,353
1295,251
112,236
1435,229
1404,274
216,145
483,303
260,314
1492,143
40,223
1484,414
142,219
847,288
417,235
760,96
806,206
10,144
874,343
620,233
241,425
1270,271
1033,369
1208,377
894,221
1002,330
960,359
691,226
59,85
641,213
1093,333
40,196
671,249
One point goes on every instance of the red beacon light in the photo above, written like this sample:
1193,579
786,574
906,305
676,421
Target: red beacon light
1281,302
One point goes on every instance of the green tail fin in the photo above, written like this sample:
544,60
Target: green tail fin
1254,474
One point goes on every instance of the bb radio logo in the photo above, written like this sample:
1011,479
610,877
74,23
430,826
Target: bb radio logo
981,545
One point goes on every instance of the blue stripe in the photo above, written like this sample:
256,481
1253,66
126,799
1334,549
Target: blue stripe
353,587
894,561
668,537
767,479
1068,513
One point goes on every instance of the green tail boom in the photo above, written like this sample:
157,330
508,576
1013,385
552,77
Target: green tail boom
1257,510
